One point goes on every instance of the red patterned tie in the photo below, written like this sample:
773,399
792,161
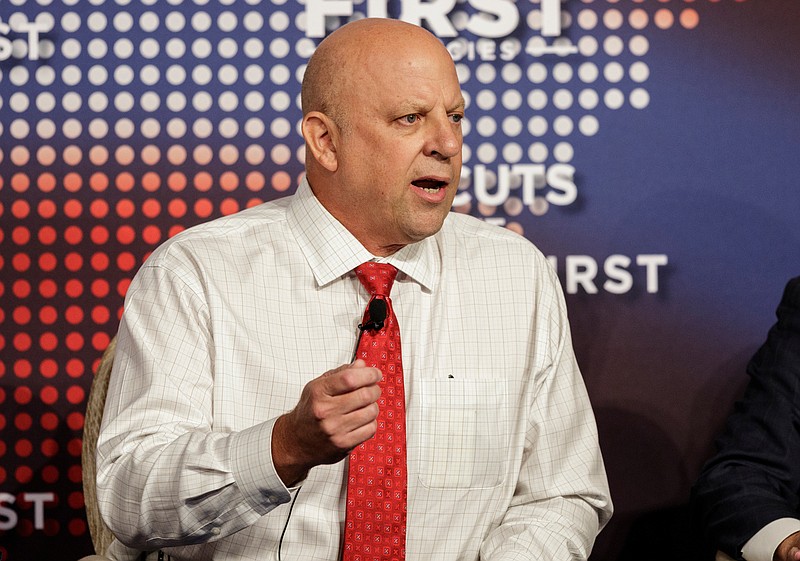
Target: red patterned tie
375,527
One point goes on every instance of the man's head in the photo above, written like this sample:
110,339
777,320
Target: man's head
381,118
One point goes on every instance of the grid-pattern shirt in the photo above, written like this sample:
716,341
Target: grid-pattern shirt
226,322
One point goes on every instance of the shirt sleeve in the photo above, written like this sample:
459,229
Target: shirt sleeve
561,500
165,475
762,546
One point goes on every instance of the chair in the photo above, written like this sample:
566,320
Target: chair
101,535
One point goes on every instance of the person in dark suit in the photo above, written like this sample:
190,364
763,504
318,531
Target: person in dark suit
747,498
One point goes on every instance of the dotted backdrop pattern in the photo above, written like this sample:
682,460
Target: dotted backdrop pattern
142,118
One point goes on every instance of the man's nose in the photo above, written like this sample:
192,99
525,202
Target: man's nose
444,139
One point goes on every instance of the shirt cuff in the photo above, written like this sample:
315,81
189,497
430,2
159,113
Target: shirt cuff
253,468
762,546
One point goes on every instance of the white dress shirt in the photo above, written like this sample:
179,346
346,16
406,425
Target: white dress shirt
226,322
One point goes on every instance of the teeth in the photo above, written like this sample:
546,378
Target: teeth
430,189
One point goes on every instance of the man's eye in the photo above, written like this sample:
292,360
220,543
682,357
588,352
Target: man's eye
410,119
456,117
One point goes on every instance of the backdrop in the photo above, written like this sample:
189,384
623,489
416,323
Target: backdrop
649,147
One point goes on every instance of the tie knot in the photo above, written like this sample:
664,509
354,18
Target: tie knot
377,278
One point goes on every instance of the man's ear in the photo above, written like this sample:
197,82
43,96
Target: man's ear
322,137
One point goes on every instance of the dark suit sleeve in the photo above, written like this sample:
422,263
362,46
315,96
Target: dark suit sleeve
755,477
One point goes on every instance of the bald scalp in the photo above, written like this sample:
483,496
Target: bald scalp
339,62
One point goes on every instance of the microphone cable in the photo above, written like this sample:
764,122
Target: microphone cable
286,525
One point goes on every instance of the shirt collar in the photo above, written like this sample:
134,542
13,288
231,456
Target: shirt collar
332,251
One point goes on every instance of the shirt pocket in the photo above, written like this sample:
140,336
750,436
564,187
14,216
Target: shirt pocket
463,433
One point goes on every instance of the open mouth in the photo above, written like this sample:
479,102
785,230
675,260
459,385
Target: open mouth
429,185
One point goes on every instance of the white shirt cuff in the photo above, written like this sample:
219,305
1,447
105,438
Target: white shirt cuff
762,546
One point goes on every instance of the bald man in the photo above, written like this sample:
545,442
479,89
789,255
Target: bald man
235,402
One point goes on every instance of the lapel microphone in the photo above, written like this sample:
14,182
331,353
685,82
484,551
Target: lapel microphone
376,312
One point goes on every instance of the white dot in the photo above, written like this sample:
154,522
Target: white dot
639,45
588,72
537,152
228,74
45,102
149,48
175,48
97,48
71,48
466,154
150,101
613,45
512,126
123,75
71,75
254,48
175,21
253,21
227,48
227,21
279,74
588,99
253,74
176,75
72,128
588,125
563,125
280,154
537,73
486,153
486,126
613,19
228,101
150,128
228,128
254,127
254,154
485,73
486,99
149,75
123,101
639,72
98,128
202,128
562,99
46,129
563,152
176,128
464,73
98,102
71,102
254,101
587,45
123,48
537,125
305,47
613,99
279,21
176,101
511,73
202,101
98,75
123,22
613,72
466,126
18,75
201,48
512,152
201,21
587,19
562,72
537,100
279,48
19,129
201,75
280,127
45,75
511,100
96,22
640,98
70,22
279,101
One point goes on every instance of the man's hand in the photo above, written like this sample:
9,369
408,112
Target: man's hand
789,549
336,413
